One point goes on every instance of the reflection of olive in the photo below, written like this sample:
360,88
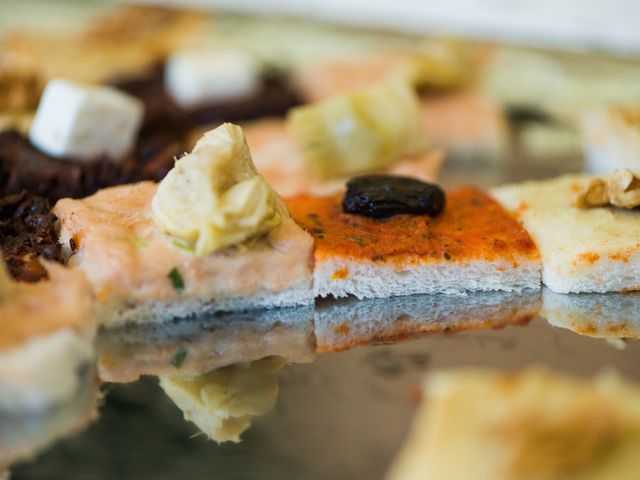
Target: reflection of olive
382,196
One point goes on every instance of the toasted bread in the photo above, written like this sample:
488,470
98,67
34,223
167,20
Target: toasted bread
473,245
582,249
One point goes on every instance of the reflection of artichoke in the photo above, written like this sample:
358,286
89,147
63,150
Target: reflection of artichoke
622,189
222,403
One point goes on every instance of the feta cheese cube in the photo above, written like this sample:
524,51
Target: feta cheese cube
79,121
196,77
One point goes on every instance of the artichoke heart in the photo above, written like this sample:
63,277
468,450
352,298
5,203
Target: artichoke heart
214,197
360,131
439,65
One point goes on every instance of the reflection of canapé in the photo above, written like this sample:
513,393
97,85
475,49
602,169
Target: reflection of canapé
593,314
349,322
199,345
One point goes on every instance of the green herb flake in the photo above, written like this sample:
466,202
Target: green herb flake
176,279
135,242
447,256
179,357
318,230
357,240
183,246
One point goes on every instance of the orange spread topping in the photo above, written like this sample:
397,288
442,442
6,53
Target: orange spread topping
471,227
340,274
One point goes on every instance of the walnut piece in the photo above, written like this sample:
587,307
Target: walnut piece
622,189
592,195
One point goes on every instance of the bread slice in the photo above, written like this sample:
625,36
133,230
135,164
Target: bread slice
461,119
611,139
489,425
124,42
597,315
129,262
47,376
270,143
583,250
194,346
346,323
473,245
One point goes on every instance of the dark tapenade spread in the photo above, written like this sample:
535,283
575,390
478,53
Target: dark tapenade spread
27,230
274,98
382,196
23,167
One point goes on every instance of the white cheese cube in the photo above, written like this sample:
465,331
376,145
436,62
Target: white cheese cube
80,122
195,77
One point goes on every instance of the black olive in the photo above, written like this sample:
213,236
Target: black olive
382,196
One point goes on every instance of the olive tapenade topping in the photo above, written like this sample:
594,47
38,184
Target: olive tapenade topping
382,196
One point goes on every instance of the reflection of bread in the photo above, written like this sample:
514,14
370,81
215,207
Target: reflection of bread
612,315
343,324
205,343
583,250
533,425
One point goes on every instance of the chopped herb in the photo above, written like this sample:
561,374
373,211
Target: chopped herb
447,256
476,201
179,357
183,246
176,279
357,240
312,215
136,242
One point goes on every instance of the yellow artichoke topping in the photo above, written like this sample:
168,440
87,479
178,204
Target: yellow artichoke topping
214,197
360,131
